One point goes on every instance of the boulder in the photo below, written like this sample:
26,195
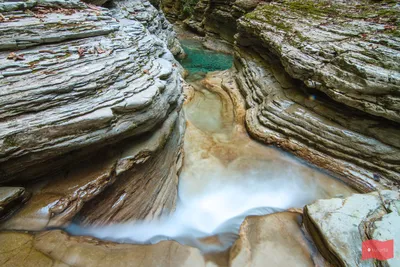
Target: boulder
339,226
276,239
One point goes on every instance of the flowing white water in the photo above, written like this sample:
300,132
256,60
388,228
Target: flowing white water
226,176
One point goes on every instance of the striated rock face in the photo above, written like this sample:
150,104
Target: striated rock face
153,20
349,52
214,17
59,198
362,149
277,237
90,100
173,9
338,226
302,77
56,248
116,82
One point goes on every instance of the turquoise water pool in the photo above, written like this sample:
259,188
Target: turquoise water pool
200,60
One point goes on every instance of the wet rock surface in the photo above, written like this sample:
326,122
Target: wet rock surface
95,82
338,226
363,150
319,79
60,197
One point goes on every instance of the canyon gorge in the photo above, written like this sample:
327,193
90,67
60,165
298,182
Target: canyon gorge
198,132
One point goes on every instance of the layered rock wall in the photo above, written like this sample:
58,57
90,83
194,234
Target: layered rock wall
316,86
90,97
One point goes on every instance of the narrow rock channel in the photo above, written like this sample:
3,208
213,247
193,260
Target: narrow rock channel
199,133
226,175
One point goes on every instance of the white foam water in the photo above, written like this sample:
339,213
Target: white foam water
218,210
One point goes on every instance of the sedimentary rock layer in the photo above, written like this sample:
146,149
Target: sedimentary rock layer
338,226
348,51
80,80
284,108
153,20
209,17
146,188
60,197
173,9
363,150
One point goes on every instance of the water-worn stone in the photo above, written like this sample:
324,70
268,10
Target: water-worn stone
102,104
363,150
99,83
9,194
276,239
149,189
338,226
56,248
